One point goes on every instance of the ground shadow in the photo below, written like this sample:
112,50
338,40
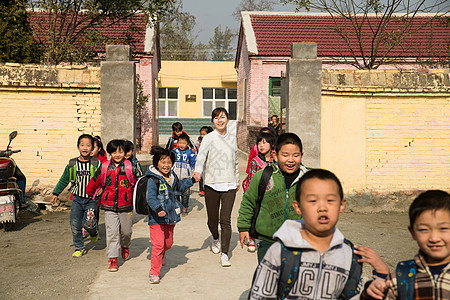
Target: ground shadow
245,295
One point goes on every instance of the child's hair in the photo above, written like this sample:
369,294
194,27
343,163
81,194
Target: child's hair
98,142
429,200
159,152
208,129
269,130
270,138
217,111
128,146
85,136
184,136
177,126
113,145
286,139
319,174
274,116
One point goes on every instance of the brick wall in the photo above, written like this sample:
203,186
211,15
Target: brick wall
49,107
398,120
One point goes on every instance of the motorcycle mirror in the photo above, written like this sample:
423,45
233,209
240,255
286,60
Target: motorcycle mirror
12,135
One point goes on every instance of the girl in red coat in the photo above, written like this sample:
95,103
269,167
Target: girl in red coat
117,180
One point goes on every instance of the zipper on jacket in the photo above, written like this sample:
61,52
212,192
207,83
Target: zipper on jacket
286,200
116,188
316,288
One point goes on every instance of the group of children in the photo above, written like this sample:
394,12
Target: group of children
301,252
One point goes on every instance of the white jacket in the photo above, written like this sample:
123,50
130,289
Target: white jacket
217,159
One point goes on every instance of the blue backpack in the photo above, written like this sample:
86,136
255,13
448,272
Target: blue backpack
406,276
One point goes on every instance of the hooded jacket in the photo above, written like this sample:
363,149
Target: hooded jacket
276,206
163,199
321,275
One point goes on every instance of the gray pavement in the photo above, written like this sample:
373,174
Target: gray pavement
192,270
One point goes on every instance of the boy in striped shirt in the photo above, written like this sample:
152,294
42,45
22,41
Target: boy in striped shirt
82,213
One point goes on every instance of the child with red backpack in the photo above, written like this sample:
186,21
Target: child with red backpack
265,143
117,179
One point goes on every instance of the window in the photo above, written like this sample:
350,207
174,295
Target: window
275,86
220,97
168,102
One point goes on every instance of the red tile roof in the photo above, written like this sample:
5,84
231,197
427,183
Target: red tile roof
275,33
125,32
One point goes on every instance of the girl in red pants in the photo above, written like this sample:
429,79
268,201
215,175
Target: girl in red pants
164,206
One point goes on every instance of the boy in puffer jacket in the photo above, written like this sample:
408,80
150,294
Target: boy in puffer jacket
117,179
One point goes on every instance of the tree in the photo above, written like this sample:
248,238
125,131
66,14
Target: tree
15,33
177,35
253,5
220,44
380,27
69,33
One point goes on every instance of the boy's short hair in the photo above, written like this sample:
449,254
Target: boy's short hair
319,174
128,146
113,145
274,116
177,126
184,136
286,139
208,129
270,138
429,200
158,152
85,136
268,129
217,111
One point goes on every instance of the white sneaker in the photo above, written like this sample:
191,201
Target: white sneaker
224,260
215,246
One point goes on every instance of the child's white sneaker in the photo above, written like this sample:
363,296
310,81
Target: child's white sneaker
215,246
154,279
224,260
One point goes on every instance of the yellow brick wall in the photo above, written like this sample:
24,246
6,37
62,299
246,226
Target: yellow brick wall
387,131
49,114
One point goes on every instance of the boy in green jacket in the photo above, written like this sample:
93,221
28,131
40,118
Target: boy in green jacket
276,206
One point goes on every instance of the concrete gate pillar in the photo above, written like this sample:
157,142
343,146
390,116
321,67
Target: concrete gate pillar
303,96
118,95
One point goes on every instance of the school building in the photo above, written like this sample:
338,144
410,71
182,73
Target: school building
188,91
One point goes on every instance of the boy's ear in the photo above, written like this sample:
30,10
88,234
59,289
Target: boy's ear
343,203
413,234
296,207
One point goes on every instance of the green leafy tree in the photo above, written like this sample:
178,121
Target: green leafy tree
68,31
220,44
394,21
17,43
177,36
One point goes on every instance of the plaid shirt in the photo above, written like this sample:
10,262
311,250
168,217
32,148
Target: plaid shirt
425,287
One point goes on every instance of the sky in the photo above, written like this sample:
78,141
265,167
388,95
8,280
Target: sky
211,13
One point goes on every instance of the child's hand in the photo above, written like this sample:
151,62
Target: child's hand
377,288
54,199
243,237
372,258
197,176
161,214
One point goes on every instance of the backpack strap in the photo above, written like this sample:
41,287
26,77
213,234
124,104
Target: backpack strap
354,276
262,186
104,172
129,172
73,170
406,275
94,162
290,264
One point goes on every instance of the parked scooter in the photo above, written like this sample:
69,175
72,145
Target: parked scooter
10,194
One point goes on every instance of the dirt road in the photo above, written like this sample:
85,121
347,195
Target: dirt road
36,258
